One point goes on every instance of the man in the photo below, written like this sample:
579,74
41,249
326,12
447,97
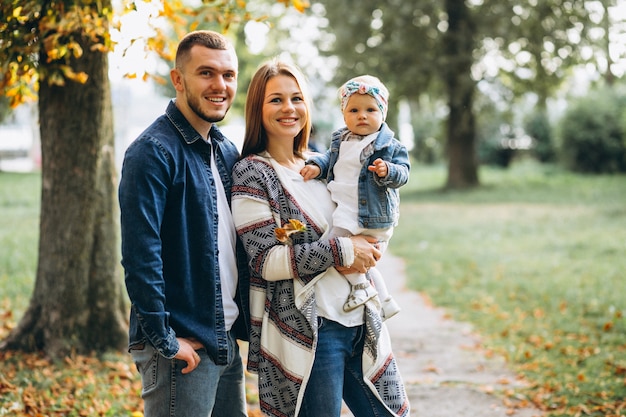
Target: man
184,268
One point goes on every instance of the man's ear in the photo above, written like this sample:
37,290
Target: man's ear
177,79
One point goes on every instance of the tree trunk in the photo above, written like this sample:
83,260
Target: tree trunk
461,128
609,76
78,303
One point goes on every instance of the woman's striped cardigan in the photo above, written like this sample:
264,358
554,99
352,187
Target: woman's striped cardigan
282,296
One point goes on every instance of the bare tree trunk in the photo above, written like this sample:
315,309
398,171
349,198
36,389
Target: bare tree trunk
461,143
78,301
609,76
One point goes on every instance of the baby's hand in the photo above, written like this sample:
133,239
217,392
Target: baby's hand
310,171
379,167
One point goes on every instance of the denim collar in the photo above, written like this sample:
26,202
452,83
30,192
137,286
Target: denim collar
188,133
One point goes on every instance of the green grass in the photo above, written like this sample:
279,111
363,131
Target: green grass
19,233
535,260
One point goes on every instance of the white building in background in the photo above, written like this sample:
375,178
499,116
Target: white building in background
135,106
20,149
406,135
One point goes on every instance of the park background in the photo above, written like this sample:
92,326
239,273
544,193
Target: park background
514,218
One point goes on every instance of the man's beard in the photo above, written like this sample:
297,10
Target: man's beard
194,105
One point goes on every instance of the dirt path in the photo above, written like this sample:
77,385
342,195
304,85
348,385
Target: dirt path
445,373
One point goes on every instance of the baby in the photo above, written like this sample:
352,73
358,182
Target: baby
364,167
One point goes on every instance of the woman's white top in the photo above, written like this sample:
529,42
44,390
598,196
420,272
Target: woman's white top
332,289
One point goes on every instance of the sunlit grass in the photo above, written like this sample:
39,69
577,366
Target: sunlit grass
534,259
19,232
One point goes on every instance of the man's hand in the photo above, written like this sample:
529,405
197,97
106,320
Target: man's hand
187,352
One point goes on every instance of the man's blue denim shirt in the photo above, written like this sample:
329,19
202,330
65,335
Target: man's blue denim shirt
169,225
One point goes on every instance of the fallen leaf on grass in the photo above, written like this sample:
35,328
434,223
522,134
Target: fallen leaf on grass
432,368
504,381
33,386
488,389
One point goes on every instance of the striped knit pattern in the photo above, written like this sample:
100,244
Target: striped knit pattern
282,354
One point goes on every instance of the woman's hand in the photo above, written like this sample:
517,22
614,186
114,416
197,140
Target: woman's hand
366,253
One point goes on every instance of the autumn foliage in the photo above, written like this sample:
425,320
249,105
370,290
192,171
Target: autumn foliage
32,32
79,385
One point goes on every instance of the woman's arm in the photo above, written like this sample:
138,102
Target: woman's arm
304,258
258,202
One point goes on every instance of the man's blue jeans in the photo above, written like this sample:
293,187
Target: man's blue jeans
209,390
338,373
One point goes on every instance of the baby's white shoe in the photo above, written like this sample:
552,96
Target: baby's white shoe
389,308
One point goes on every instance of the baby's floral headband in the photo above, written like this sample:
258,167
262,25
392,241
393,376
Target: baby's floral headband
351,87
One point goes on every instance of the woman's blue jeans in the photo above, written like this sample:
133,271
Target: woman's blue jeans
209,390
338,374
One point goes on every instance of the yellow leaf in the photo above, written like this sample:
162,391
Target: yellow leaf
54,54
99,47
167,10
68,72
297,225
77,50
300,5
282,233
81,77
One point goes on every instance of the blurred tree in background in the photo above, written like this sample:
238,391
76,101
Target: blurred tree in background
593,135
5,109
513,52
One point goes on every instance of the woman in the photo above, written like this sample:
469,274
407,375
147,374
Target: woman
307,351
